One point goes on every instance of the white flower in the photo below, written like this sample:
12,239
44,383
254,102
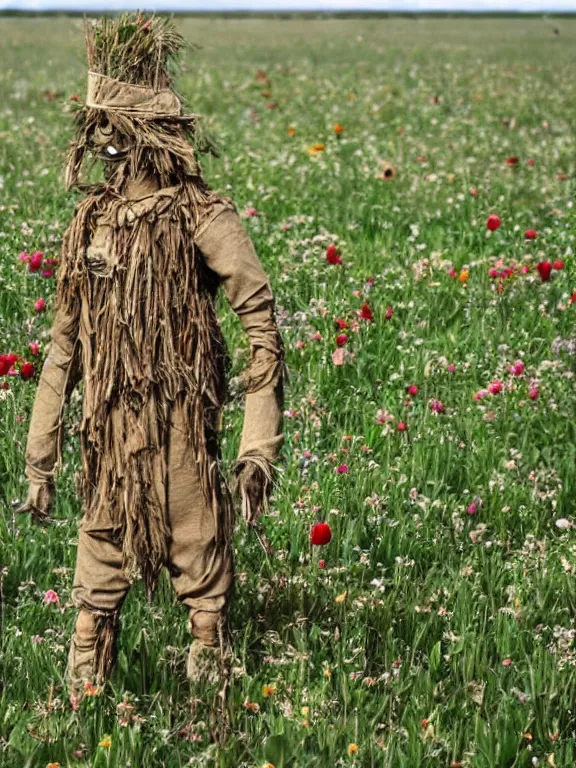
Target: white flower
563,524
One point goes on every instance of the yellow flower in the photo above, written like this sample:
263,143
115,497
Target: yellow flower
352,749
315,149
305,711
338,128
291,131
327,672
268,690
464,275
106,742
342,597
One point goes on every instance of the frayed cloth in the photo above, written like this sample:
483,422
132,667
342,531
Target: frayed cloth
151,336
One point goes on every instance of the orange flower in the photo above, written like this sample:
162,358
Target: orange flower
338,129
53,765
315,149
268,690
352,749
464,275
291,131
91,690
106,742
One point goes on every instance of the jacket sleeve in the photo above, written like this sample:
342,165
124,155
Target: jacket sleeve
229,252
58,377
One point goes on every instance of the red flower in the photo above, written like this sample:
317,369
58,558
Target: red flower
530,162
321,563
544,269
366,313
341,339
6,362
35,261
495,387
389,313
40,305
437,406
341,324
412,390
34,348
342,469
493,222
401,426
333,255
558,264
530,234
320,534
473,191
533,393
512,160
573,298
27,370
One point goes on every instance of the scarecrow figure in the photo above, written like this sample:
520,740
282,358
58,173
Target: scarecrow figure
135,321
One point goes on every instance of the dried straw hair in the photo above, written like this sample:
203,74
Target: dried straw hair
139,50
134,48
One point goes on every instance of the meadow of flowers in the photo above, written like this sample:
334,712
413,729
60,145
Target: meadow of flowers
409,187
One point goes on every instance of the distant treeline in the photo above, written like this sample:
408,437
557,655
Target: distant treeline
315,14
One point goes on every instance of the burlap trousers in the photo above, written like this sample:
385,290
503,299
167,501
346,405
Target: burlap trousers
200,568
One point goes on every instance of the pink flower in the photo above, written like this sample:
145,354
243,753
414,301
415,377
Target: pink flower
530,234
300,344
525,269
316,336
357,293
472,509
51,597
47,273
321,563
24,256
452,368
481,394
40,305
452,272
517,368
507,663
412,390
530,161
401,426
249,212
342,469
437,406
493,272
495,387
533,393
339,356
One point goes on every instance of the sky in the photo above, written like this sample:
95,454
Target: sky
294,5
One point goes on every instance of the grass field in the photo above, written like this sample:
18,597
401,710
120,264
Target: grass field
440,631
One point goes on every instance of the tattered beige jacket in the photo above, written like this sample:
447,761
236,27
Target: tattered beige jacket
135,321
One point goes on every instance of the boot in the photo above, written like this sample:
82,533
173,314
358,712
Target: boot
92,654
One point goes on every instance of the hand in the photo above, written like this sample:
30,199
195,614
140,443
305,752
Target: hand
254,485
38,502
